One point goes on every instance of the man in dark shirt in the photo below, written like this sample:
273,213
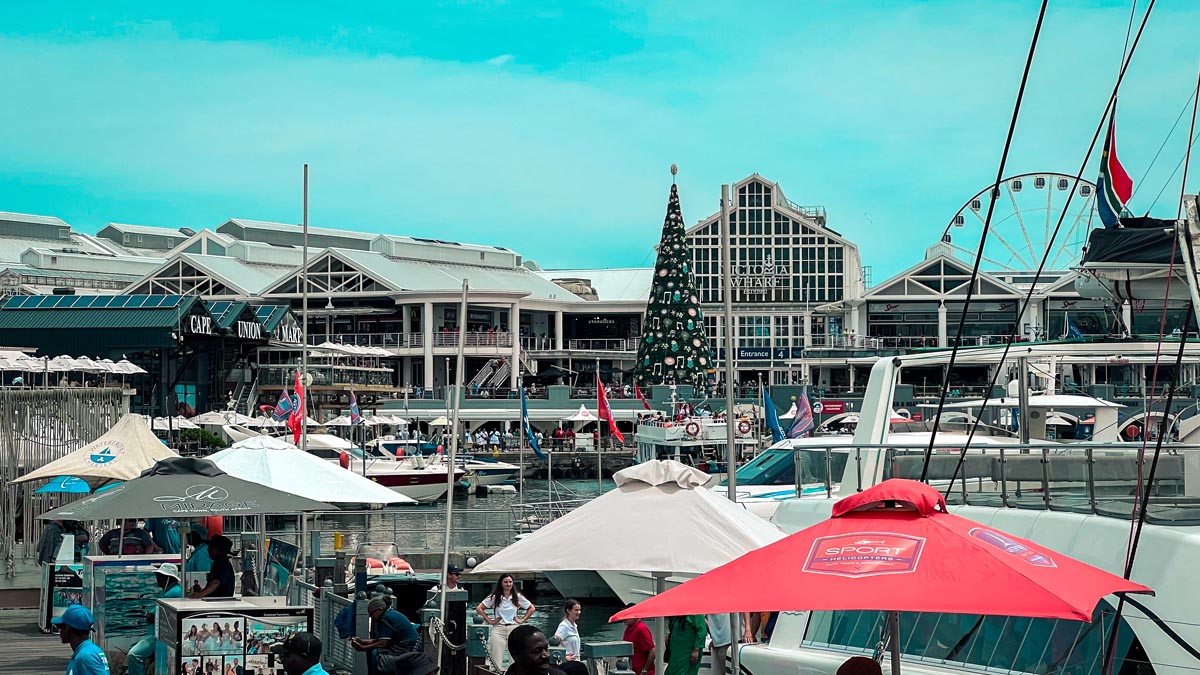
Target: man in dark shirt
220,576
132,541
530,652
395,637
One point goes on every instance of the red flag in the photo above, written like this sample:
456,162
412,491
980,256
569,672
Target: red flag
296,419
603,411
638,392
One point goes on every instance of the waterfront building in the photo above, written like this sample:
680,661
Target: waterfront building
385,306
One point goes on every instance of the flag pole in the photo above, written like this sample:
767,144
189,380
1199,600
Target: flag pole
304,323
599,433
521,447
450,451
730,439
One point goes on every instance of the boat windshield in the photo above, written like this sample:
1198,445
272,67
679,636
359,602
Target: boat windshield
778,467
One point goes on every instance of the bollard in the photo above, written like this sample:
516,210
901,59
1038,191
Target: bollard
622,667
477,638
558,656
591,652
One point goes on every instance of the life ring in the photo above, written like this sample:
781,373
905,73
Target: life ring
692,429
743,427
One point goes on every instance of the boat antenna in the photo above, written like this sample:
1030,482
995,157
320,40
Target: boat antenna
987,225
962,457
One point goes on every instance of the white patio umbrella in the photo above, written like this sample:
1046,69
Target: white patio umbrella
339,421
87,365
694,530
397,420
277,464
126,367
216,418
63,364
440,422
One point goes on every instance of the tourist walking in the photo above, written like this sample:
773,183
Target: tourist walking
567,634
75,629
638,634
684,644
506,603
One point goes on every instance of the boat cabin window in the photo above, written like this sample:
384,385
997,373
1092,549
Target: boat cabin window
1018,644
778,467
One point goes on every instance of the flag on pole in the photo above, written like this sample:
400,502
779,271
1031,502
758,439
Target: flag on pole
637,391
296,419
1072,331
802,423
355,414
772,416
1114,187
603,411
282,409
527,429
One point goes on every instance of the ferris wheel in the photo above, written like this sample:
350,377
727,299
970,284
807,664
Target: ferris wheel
1028,208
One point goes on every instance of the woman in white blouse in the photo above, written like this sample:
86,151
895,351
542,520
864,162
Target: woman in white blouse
567,634
506,603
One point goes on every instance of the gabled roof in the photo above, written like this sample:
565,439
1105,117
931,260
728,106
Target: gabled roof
347,270
813,217
293,234
209,276
941,276
83,312
150,230
32,219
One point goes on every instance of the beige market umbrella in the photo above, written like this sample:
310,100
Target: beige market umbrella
121,454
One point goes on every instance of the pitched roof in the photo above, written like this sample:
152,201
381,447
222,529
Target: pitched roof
611,285
76,312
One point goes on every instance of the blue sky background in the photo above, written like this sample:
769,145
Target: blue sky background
550,130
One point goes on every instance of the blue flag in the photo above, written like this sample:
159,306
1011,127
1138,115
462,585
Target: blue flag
527,429
772,416
802,423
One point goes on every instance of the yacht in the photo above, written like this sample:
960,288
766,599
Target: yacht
1074,498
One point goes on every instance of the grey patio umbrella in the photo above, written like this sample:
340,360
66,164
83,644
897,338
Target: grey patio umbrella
180,487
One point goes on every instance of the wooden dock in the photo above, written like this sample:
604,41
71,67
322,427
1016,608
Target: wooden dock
27,650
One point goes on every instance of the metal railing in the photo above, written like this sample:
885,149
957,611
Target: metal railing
1091,478
326,605
416,529
607,345
276,375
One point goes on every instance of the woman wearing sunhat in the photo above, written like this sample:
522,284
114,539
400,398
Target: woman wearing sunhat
167,576
75,629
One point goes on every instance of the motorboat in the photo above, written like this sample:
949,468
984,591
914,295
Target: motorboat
424,484
485,470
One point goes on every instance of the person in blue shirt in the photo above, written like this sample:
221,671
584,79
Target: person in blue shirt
199,560
395,636
300,654
165,533
167,576
75,629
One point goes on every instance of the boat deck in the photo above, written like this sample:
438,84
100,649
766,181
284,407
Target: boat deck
27,650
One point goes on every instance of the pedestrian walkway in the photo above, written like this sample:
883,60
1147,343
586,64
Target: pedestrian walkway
27,650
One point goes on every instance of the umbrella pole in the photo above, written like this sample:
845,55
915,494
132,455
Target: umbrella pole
894,641
660,627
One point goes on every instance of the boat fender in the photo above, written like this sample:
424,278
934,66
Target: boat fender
692,429
344,459
743,427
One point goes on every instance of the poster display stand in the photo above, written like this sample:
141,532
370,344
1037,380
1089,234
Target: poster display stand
62,586
120,591
218,636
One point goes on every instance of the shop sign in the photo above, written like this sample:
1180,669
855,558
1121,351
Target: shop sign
476,316
754,353
758,278
249,330
833,407
199,325
290,333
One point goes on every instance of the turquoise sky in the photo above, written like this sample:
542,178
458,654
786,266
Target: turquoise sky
549,127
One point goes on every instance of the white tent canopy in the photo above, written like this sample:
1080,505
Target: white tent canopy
123,453
693,528
582,415
278,464
176,423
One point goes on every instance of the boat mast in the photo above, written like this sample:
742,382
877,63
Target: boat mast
450,451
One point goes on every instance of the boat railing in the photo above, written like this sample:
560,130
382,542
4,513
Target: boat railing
412,529
1103,479
534,515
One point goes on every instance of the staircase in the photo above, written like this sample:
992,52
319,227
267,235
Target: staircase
483,375
500,376
526,361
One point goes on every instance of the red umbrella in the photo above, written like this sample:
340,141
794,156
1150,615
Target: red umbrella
893,547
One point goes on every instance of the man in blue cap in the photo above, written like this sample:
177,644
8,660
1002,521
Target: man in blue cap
75,629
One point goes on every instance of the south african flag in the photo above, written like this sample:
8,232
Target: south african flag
1114,187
